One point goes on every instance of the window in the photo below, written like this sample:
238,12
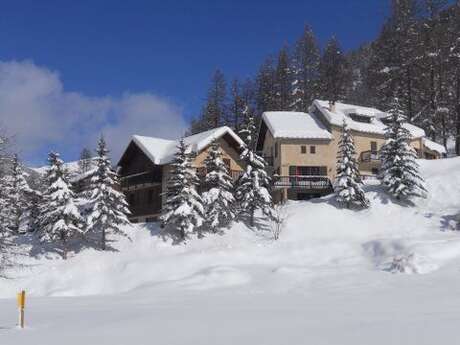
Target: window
276,150
303,149
360,118
313,149
375,171
373,146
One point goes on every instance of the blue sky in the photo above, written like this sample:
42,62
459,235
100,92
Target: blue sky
114,56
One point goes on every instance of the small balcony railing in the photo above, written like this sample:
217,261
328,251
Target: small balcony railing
369,156
140,179
302,182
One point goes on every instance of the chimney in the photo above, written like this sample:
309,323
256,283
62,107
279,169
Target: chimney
332,107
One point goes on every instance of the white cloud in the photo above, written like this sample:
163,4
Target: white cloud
41,115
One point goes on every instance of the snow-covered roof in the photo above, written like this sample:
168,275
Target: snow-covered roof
342,112
288,124
433,146
161,151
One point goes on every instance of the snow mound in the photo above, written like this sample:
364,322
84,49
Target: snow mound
320,246
409,264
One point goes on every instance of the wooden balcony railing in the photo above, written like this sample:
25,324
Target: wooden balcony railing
140,179
369,156
319,183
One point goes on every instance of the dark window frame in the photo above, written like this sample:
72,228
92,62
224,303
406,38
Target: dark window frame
312,149
374,146
303,149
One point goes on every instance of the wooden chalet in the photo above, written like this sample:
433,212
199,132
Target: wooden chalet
145,164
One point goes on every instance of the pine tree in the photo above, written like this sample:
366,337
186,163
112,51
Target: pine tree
60,220
218,199
20,196
453,37
253,186
265,87
348,186
333,72
305,71
108,208
236,106
7,210
184,211
400,170
282,85
214,112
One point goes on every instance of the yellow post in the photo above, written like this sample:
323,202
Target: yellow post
21,298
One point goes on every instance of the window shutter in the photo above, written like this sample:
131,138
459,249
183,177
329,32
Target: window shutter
292,170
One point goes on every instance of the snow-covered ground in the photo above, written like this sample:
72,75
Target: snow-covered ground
325,281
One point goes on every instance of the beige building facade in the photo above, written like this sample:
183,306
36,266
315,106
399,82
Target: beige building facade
301,148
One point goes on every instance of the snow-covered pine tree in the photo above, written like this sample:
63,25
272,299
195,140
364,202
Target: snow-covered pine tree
218,199
184,211
253,186
19,197
60,220
348,184
108,208
400,170
6,205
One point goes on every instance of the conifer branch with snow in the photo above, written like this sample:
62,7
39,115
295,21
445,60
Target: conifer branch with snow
348,185
183,211
400,170
218,199
20,197
60,219
108,208
253,186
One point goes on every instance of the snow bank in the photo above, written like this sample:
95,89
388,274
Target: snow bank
320,244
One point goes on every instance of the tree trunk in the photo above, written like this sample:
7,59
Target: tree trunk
103,239
457,107
251,221
64,246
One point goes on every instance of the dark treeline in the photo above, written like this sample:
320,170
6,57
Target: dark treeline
416,57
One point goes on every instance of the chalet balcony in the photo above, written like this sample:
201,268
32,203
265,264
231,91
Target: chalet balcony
311,183
369,156
143,179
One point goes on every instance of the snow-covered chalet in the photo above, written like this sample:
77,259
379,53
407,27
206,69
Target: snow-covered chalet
301,148
145,164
